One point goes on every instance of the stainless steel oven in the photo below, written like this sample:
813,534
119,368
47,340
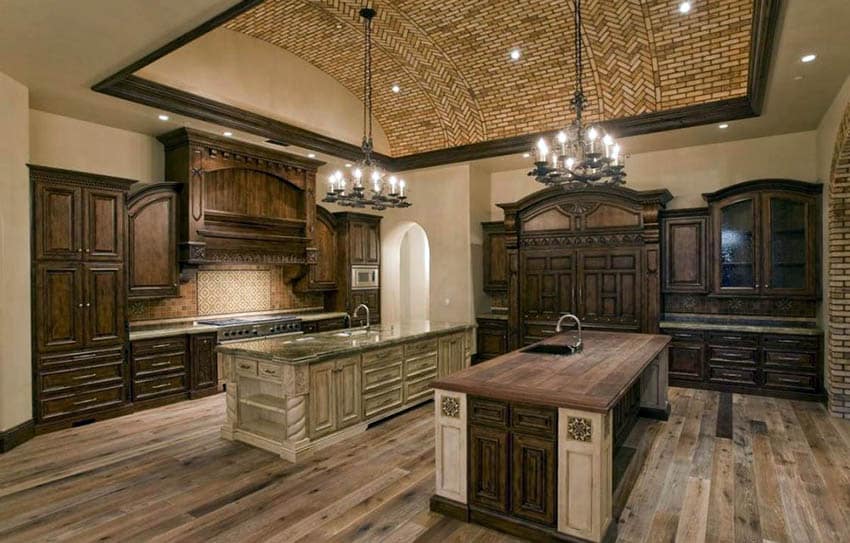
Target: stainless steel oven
363,277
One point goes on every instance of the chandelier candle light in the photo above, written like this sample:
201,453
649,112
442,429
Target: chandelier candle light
576,157
353,192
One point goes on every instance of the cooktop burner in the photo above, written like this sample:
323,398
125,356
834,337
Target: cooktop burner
241,328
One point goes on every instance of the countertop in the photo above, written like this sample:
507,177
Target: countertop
493,316
312,347
592,380
737,327
189,327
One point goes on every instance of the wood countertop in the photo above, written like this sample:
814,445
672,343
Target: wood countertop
593,380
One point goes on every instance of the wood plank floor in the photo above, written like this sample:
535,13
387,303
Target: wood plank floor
165,475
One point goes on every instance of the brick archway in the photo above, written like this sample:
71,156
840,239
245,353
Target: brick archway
838,274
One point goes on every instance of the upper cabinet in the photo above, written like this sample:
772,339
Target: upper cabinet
153,269
365,243
323,274
765,238
686,251
495,257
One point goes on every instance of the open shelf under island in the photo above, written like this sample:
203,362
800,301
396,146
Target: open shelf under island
294,394
525,442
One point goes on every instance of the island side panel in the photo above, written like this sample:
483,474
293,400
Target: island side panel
653,395
584,473
450,416
231,398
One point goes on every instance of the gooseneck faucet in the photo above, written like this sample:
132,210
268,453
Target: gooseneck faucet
368,319
348,320
578,345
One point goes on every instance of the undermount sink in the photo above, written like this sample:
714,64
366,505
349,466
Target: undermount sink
560,350
349,333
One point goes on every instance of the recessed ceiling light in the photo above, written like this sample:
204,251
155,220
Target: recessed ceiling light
164,117
228,134
798,77
347,165
809,58
396,89
526,155
515,54
723,126
311,155
684,7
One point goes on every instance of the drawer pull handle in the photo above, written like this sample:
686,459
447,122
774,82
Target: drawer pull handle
87,376
788,380
158,364
161,345
272,372
788,341
245,367
732,337
83,402
161,386
84,356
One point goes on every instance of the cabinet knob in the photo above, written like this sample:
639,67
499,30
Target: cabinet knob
80,250
88,305
81,305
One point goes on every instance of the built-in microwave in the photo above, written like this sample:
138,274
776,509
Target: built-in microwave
363,277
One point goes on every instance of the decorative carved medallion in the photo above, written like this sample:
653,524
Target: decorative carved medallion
450,407
583,240
579,429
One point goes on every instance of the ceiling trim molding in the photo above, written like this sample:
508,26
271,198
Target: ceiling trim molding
123,84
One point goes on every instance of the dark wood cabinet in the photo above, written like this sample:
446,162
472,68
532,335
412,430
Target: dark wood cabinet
609,287
105,300
489,460
372,299
492,338
365,243
686,251
59,311
153,268
533,484
105,218
323,274
358,245
495,257
160,368
323,325
686,356
204,364
57,221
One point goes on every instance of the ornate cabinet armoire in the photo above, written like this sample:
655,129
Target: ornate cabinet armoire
589,251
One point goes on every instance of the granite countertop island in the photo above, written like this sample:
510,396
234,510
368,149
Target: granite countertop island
315,347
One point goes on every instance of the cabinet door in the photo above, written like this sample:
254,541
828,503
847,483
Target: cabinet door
609,287
358,242
203,361
451,356
686,361
322,407
533,481
58,222
495,257
348,392
153,268
736,241
104,302
373,244
60,307
488,468
323,273
548,284
686,254
103,235
791,246
492,338
372,300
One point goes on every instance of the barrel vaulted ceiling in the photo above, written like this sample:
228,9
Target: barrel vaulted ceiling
459,86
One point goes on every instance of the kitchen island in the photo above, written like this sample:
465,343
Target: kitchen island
525,442
297,393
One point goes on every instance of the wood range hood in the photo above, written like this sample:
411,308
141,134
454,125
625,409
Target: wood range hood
241,203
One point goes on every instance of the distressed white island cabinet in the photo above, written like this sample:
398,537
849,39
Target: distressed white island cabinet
294,394
525,442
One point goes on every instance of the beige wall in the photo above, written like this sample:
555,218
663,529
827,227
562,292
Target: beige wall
214,66
15,380
690,171
63,142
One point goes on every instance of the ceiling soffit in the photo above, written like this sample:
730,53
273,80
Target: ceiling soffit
450,57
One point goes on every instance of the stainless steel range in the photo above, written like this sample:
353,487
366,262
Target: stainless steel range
243,328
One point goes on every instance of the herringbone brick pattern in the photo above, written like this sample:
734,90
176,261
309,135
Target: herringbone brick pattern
450,58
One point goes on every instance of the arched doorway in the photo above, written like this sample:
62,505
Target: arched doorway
406,257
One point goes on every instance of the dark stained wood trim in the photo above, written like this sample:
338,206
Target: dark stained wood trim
819,397
764,184
123,84
529,530
46,173
11,438
655,414
449,508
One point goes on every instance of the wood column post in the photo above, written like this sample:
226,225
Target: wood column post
450,417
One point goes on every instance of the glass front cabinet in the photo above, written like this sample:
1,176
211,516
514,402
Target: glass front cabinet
765,237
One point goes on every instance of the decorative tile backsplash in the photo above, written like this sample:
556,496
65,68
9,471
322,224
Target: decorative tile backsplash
233,291
224,291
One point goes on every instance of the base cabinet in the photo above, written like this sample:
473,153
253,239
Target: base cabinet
492,338
488,477
204,375
334,396
453,355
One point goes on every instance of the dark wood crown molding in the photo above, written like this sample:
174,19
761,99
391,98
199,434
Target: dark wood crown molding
764,184
658,197
46,173
123,84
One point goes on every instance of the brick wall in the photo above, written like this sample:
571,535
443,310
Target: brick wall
838,273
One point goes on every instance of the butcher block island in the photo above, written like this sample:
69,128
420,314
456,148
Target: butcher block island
294,394
525,442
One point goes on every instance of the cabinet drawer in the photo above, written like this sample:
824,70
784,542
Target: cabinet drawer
381,376
490,412
733,339
270,372
375,404
106,374
684,335
383,355
790,342
412,350
81,403
80,359
791,359
531,419
247,368
498,325
159,386
722,374
790,381
159,345
417,366
732,355
152,365
417,389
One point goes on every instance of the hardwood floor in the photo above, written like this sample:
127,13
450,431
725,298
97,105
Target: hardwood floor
165,475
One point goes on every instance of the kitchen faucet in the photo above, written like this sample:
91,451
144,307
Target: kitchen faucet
348,320
368,319
578,345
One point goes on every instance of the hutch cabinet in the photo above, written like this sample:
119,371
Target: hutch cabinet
358,249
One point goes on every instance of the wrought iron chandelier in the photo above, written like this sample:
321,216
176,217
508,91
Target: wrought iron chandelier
352,191
576,156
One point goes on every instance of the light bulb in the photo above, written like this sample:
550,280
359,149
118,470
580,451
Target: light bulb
608,140
615,155
570,162
542,150
401,188
376,176
592,134
562,137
